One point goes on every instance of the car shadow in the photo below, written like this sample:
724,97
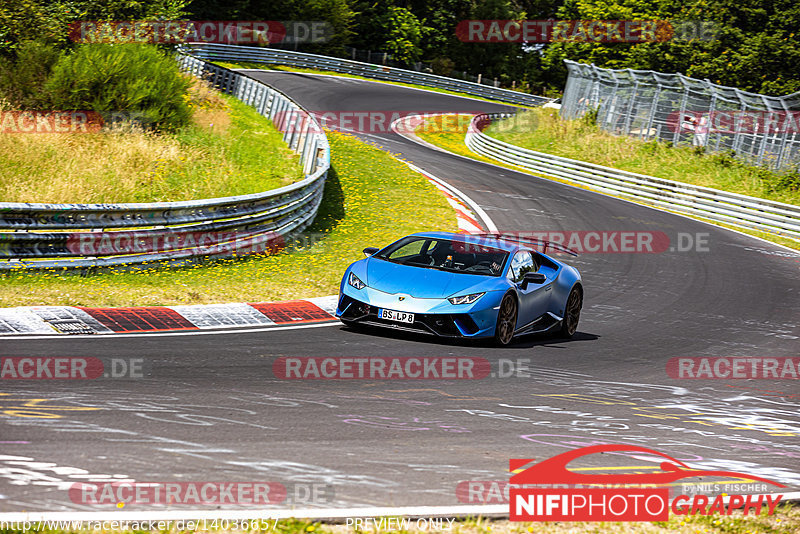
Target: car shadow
534,340
523,342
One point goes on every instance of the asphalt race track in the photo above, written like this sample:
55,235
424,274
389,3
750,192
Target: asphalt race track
212,410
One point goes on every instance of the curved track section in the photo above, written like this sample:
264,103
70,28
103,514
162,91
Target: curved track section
211,408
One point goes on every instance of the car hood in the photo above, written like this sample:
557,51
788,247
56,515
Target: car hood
423,283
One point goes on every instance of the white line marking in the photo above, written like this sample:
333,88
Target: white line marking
490,226
238,330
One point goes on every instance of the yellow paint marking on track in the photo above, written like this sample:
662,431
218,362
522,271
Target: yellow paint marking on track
35,409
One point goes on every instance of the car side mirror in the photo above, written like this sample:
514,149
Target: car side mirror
369,251
533,278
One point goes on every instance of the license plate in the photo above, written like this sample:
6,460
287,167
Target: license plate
397,316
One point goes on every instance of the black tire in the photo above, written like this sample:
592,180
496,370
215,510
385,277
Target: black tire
506,320
572,313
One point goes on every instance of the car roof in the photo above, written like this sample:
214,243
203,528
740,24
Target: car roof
474,240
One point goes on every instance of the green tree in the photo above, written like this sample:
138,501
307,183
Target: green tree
404,34
22,77
134,80
33,20
48,20
338,13
754,46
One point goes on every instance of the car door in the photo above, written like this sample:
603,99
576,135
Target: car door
534,299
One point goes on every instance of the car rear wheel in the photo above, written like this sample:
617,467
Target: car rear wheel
506,320
572,313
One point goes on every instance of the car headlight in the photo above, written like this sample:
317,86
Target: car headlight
465,299
355,281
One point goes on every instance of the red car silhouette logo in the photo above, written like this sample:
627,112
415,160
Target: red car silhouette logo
554,470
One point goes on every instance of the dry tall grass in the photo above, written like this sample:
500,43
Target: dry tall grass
543,130
128,164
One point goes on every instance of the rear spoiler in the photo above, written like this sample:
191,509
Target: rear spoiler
538,243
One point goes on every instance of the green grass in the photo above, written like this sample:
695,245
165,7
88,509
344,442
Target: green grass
542,130
448,131
287,68
449,135
370,199
229,149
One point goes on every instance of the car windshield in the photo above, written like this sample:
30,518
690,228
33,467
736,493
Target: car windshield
446,255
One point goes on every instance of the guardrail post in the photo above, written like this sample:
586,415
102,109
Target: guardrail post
288,134
682,112
293,137
652,113
631,105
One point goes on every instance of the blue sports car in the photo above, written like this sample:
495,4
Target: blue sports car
456,285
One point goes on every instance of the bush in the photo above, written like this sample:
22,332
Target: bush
124,80
590,117
781,181
22,79
442,66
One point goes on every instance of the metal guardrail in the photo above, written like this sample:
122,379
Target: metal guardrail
177,231
222,52
712,204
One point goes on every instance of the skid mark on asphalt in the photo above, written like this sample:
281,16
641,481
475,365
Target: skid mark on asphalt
782,395
27,471
445,394
398,423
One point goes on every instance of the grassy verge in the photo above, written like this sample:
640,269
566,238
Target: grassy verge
229,149
544,131
287,68
370,199
785,520
448,132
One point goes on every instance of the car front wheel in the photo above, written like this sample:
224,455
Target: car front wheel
506,320
572,313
